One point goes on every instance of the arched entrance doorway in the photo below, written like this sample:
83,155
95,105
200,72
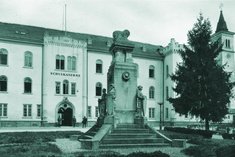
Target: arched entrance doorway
65,113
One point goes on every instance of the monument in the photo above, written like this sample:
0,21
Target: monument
124,103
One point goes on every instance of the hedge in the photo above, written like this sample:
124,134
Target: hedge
228,136
226,151
204,133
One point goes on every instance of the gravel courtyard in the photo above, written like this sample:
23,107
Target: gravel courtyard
68,146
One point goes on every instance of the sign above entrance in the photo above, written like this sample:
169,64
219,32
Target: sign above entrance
65,74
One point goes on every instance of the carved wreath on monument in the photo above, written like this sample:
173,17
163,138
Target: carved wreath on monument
120,35
126,76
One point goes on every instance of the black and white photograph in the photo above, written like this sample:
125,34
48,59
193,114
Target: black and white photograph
117,78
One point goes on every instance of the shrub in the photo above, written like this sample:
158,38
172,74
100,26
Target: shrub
204,133
199,151
31,137
226,151
153,154
228,136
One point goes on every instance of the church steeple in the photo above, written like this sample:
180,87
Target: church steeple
221,25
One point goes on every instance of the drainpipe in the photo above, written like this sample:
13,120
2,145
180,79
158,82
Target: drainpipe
85,82
163,95
42,80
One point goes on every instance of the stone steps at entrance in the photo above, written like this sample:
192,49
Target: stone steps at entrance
130,130
132,140
131,135
133,145
126,125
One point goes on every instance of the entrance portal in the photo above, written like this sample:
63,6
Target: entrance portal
66,115
65,112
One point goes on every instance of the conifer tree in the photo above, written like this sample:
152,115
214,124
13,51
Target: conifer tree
202,86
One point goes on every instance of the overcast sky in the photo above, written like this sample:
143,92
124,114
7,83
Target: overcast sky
150,21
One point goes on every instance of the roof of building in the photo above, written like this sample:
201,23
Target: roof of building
35,35
221,25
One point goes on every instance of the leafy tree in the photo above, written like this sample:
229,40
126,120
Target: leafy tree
202,86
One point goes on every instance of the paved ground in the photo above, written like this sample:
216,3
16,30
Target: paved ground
68,146
41,129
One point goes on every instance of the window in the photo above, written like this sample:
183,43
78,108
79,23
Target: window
167,93
151,92
74,62
167,113
57,87
65,87
96,111
27,85
151,71
71,63
3,110
227,43
73,88
151,112
27,110
59,62
38,110
28,59
167,71
89,111
3,83
99,64
98,89
3,56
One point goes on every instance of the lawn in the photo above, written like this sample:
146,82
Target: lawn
28,144
38,144
203,147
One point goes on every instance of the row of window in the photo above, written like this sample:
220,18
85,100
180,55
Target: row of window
66,87
28,58
99,68
98,90
27,84
27,110
151,112
60,63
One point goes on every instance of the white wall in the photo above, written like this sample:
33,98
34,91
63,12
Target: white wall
16,72
68,47
157,82
94,77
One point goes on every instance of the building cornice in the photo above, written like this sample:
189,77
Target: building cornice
22,41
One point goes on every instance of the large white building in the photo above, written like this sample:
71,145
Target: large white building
46,74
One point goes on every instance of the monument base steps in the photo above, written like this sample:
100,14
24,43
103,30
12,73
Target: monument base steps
131,135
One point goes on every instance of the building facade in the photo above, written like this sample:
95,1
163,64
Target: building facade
47,74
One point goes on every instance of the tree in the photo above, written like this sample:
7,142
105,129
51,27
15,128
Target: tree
202,86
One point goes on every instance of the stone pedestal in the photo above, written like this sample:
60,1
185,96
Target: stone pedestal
122,74
141,121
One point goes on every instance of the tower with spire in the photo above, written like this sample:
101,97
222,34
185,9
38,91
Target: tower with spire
226,56
225,37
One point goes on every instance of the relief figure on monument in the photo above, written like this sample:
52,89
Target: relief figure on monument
102,103
110,100
141,102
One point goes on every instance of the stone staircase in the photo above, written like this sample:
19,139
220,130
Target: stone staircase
131,135
90,133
